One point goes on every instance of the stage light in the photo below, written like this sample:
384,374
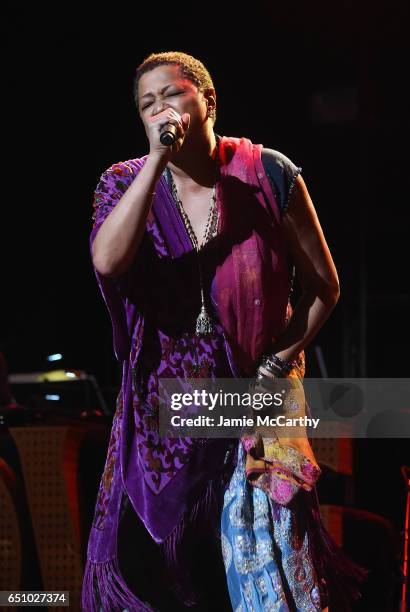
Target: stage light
54,357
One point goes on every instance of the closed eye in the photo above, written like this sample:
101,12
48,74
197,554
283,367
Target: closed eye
169,95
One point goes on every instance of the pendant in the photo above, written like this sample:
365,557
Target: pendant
204,323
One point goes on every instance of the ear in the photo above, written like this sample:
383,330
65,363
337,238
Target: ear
210,96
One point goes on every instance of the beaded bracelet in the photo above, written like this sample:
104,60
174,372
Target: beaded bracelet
276,365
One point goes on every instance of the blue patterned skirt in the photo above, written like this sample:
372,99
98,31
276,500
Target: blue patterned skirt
266,550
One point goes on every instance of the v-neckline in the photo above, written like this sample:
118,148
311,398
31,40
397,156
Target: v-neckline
168,178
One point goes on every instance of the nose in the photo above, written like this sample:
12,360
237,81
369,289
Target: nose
158,106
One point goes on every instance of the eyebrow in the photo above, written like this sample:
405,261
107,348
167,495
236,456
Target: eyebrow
150,94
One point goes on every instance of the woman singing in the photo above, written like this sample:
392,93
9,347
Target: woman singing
195,246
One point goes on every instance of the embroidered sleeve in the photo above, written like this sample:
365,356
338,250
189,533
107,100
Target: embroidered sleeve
112,185
282,173
121,294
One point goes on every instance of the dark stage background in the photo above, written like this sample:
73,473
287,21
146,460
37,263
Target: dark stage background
322,82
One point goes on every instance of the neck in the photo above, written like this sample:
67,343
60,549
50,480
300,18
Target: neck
196,158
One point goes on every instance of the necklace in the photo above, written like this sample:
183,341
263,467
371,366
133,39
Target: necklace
204,323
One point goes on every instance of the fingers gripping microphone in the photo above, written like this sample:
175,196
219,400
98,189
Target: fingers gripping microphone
168,134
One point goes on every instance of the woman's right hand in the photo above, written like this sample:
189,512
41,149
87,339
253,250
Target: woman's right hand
153,129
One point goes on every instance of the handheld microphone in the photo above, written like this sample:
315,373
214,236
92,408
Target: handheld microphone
168,134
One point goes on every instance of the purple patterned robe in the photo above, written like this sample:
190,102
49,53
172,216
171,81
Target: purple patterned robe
172,483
